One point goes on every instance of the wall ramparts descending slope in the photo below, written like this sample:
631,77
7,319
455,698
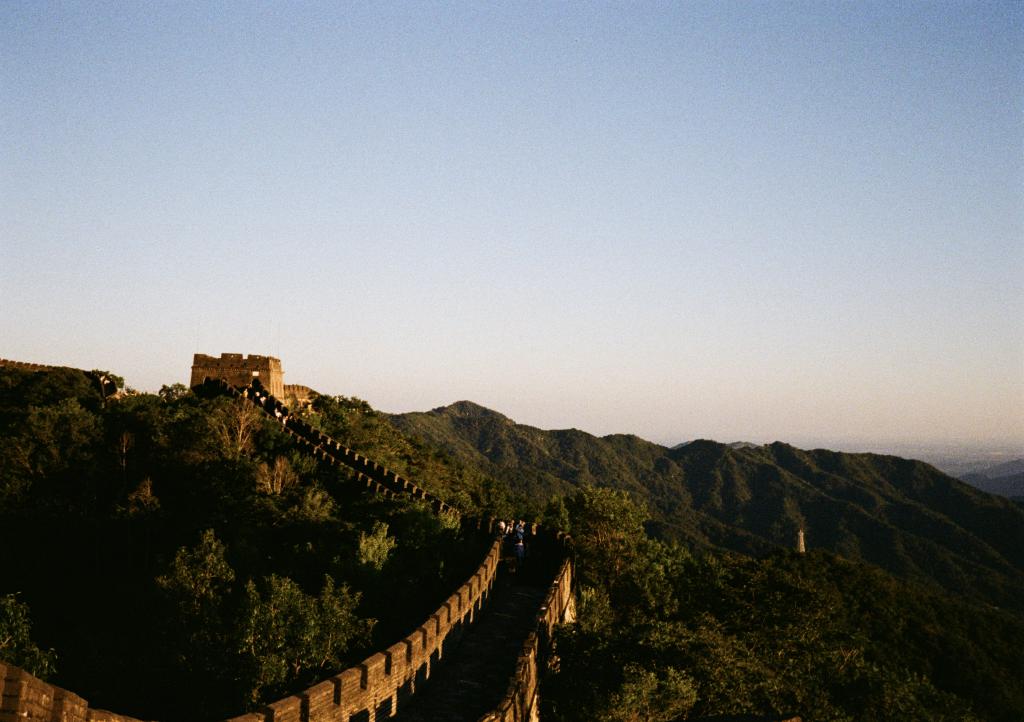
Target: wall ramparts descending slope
24,698
520,703
375,477
381,683
375,688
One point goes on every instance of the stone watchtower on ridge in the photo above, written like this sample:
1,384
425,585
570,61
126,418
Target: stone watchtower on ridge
239,370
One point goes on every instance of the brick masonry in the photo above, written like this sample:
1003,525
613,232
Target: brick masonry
239,370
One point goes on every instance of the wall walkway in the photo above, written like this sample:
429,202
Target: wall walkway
384,683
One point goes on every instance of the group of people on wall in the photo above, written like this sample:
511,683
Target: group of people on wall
514,535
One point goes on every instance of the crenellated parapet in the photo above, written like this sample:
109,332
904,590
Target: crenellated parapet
521,700
239,370
24,697
384,682
375,477
378,686
371,690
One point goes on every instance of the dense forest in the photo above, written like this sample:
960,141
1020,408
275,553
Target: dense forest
664,634
167,542
902,515
160,543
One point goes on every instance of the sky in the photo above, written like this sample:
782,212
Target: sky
730,220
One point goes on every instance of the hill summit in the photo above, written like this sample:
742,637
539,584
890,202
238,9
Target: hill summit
900,514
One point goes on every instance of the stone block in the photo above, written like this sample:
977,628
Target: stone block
374,679
418,651
454,604
429,631
102,715
25,695
288,709
69,707
354,696
399,661
321,702
465,601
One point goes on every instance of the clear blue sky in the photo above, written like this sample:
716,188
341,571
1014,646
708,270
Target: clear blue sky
731,220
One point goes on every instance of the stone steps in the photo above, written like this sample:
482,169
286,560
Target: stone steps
473,677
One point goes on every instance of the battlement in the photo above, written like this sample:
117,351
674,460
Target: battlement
386,680
239,370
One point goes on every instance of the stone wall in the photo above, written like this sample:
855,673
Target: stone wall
375,477
24,698
373,689
521,700
239,370
377,687
106,386
299,396
24,366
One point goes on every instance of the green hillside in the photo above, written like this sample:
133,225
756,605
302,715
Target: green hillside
903,515
165,542
193,524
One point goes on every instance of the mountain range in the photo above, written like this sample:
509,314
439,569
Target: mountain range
902,515
1005,479
1007,468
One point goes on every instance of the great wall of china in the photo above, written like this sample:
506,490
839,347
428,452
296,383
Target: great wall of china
106,385
385,682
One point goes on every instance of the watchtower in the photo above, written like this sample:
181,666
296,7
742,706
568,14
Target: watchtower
239,370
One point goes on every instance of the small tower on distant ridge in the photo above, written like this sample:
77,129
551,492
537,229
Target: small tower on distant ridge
800,548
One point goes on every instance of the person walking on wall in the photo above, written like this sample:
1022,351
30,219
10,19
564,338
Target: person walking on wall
519,540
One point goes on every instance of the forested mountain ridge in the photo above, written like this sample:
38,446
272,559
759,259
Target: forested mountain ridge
903,515
226,549
195,523
1004,479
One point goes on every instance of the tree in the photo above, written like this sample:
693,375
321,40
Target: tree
118,381
650,695
374,548
174,392
198,628
234,425
49,462
286,635
198,577
16,645
275,479
607,527
59,437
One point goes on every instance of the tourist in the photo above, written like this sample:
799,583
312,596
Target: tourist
519,538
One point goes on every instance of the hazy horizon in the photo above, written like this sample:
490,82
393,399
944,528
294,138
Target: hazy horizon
789,221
